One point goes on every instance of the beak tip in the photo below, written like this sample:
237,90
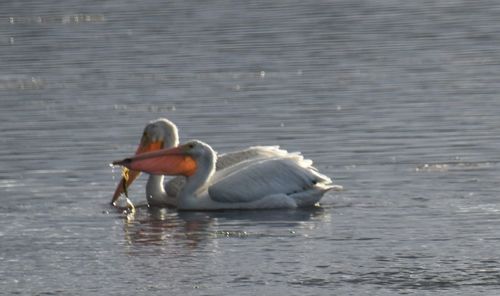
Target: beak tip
122,162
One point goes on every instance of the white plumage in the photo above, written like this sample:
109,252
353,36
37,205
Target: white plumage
165,133
261,178
229,162
284,181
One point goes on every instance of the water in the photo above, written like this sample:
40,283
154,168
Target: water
396,100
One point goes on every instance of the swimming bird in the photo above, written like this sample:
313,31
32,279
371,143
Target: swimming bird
162,133
288,181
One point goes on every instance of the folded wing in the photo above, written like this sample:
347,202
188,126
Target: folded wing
174,185
258,179
256,152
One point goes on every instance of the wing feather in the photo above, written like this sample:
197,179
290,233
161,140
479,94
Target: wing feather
258,179
226,160
256,152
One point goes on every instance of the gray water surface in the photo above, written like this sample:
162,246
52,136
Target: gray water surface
395,100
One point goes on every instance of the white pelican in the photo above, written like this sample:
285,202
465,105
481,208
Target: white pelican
162,133
289,181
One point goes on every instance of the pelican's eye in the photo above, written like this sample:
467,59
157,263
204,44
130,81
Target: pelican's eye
190,146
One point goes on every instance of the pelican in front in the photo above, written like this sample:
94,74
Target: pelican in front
289,181
162,133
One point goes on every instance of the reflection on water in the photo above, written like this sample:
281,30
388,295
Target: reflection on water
454,166
65,19
162,226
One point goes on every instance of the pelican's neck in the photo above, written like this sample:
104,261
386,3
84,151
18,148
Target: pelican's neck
155,191
198,181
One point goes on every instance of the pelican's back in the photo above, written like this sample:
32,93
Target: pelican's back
258,179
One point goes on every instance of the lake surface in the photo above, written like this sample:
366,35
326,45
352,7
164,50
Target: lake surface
395,100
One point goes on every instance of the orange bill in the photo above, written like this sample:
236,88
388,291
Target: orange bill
163,162
144,147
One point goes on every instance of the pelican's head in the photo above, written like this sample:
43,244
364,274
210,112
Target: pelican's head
196,149
158,134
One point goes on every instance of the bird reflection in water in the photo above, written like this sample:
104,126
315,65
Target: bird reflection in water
159,226
165,226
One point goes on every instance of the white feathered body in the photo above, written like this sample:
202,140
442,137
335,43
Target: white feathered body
257,177
285,180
